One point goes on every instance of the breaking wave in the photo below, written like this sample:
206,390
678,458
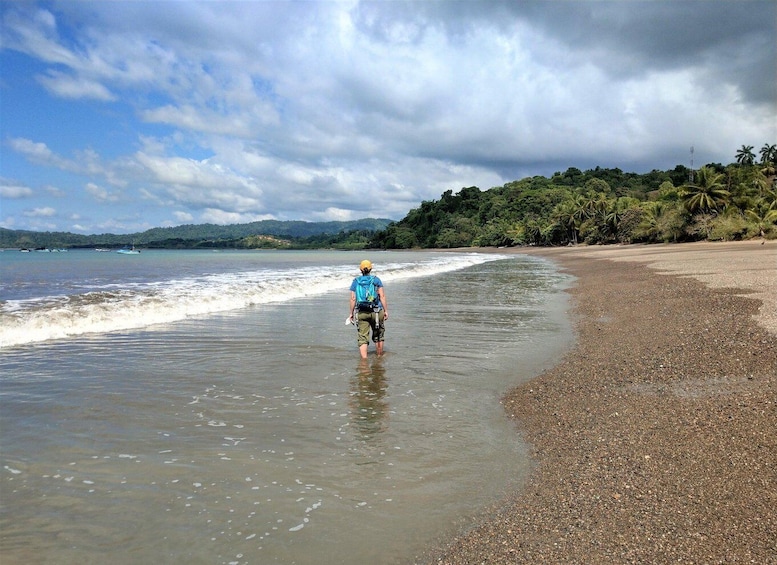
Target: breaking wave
142,304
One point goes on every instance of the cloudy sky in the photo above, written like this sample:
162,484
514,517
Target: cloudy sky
124,115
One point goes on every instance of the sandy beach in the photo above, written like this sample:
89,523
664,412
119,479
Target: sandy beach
655,438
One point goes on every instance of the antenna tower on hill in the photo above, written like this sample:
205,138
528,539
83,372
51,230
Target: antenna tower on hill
690,175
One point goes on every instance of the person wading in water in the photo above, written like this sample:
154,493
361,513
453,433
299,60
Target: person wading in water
368,309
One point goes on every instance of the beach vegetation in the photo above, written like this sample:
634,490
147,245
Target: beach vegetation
745,155
768,154
706,193
761,221
602,206
672,224
730,226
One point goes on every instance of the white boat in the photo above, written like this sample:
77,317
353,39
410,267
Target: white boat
128,251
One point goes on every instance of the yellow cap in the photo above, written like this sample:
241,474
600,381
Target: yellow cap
365,265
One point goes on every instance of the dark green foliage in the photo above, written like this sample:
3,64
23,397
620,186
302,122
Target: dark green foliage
628,228
598,206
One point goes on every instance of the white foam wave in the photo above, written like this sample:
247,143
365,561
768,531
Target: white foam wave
140,305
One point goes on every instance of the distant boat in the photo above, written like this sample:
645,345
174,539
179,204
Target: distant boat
128,251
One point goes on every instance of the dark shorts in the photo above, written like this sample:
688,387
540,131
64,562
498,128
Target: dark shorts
367,322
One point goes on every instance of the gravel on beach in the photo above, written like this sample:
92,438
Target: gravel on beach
655,439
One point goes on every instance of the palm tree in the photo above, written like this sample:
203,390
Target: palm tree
763,218
707,194
616,208
769,199
572,212
769,160
768,154
745,155
533,231
613,214
580,204
648,227
760,183
592,204
565,214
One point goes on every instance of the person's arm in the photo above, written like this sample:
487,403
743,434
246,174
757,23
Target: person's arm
352,306
382,296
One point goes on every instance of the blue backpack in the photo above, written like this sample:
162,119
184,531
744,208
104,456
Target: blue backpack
366,294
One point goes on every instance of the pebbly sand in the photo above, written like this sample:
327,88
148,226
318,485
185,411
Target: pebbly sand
655,438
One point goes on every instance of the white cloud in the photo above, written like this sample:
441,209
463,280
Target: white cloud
54,191
35,32
46,212
100,194
85,161
215,216
202,120
177,171
67,86
335,215
10,189
36,152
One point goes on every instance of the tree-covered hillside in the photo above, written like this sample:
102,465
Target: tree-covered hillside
738,201
267,233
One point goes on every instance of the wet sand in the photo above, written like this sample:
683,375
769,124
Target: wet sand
655,438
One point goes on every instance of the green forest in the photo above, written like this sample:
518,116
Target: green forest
601,206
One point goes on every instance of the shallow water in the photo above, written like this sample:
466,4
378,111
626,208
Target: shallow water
257,435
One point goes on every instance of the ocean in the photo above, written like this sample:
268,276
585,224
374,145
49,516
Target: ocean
211,407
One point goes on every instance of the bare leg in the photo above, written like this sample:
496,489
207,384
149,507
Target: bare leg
363,351
379,347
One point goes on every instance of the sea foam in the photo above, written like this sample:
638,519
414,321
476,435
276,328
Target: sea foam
141,305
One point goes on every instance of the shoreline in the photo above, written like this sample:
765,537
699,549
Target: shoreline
653,439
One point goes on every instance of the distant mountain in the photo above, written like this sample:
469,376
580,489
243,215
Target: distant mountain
189,233
265,227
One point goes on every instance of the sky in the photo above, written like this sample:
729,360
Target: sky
119,116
